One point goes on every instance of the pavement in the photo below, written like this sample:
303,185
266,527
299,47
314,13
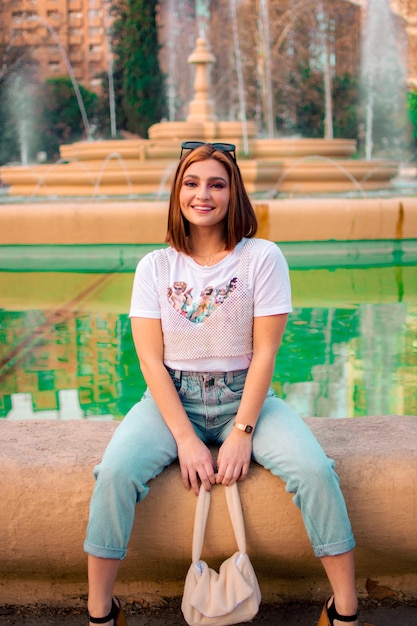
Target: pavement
372,613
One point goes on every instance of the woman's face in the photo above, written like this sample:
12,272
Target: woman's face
205,193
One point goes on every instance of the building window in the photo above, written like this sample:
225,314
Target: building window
93,14
19,16
53,16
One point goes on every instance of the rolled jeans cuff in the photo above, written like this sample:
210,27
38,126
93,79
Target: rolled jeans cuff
334,549
103,552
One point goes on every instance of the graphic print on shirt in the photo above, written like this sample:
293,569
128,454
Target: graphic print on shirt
198,310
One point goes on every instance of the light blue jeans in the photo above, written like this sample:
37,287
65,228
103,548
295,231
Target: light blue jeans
142,446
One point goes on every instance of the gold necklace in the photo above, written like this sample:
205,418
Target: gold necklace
207,260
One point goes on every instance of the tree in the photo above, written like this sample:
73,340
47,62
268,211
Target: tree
62,121
308,110
283,65
345,107
139,83
412,112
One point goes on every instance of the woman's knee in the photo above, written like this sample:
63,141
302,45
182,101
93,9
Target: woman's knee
313,474
112,472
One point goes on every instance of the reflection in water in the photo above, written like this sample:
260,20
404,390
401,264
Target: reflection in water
356,362
350,348
381,356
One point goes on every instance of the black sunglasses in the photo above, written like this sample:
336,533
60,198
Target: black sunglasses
224,147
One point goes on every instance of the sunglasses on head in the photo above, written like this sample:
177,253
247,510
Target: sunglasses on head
223,147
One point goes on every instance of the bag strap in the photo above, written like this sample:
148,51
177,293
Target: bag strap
201,515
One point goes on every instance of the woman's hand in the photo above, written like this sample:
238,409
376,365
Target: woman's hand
196,461
234,458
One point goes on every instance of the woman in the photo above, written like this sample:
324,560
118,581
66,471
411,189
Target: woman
208,356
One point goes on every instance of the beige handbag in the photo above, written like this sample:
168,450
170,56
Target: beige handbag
230,596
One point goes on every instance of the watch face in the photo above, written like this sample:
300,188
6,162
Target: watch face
248,429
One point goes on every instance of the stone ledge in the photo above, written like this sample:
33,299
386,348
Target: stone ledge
46,478
92,221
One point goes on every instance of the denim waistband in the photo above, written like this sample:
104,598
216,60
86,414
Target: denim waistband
226,376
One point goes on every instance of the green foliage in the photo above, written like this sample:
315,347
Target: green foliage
310,106
139,84
9,147
305,100
302,105
412,112
345,107
62,121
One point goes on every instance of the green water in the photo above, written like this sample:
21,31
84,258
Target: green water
350,348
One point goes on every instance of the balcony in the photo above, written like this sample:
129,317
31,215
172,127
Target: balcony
96,39
75,39
53,17
28,6
54,54
76,55
55,69
75,20
78,71
75,5
96,22
95,56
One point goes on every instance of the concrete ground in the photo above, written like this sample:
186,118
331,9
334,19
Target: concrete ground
372,613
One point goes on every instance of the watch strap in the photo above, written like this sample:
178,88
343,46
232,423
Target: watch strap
246,428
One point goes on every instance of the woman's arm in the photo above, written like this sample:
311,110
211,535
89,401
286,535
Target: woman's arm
235,454
194,456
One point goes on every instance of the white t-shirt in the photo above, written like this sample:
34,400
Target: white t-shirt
196,292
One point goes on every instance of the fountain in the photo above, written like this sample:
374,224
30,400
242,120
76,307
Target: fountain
383,84
112,103
20,111
20,87
263,161
62,51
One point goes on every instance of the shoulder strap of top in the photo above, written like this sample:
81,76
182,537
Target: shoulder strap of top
162,268
245,257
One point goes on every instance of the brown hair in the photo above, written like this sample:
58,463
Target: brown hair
241,219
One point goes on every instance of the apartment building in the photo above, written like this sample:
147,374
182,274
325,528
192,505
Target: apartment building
58,32
408,10
61,34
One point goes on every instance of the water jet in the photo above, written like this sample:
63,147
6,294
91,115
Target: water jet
263,162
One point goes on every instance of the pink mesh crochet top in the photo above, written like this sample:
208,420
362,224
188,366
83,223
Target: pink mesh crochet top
226,332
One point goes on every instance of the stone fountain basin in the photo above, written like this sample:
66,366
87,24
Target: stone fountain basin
140,166
97,221
116,177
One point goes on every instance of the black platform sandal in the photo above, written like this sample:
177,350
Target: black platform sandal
329,614
116,614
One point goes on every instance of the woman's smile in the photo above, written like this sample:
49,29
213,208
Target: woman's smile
202,208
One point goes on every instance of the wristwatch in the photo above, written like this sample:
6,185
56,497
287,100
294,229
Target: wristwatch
247,428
